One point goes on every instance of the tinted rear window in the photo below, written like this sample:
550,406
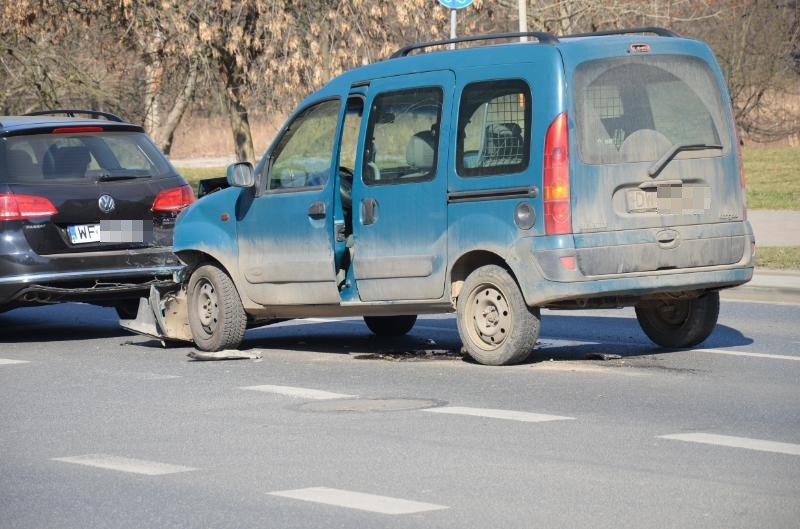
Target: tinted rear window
633,109
80,157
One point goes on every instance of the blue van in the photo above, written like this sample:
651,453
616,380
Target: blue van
596,170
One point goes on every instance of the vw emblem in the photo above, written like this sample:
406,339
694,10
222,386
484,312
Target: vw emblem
106,203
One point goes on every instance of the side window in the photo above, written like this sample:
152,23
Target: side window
402,139
494,128
302,158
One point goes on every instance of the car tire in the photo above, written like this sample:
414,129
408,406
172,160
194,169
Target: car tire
495,324
683,323
390,325
216,316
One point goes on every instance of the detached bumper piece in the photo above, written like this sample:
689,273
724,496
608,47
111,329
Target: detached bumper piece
162,317
97,292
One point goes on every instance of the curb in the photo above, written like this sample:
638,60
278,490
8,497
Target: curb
775,286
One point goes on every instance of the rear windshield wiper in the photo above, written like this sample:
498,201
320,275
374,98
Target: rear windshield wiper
108,177
675,149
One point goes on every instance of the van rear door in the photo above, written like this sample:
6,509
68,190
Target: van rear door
655,154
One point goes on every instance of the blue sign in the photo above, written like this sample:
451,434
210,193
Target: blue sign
455,4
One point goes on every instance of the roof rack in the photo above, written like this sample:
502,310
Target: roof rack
543,37
71,114
661,32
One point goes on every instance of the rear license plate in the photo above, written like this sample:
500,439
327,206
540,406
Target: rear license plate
83,233
640,201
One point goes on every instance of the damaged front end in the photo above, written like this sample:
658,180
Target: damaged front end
162,315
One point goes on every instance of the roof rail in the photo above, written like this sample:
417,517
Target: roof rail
661,32
543,37
71,114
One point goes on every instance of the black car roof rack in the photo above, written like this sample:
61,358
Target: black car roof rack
543,37
661,32
71,114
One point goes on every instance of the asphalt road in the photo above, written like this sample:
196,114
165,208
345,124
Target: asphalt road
105,429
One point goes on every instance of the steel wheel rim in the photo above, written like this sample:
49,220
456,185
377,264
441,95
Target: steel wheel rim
489,317
207,306
674,314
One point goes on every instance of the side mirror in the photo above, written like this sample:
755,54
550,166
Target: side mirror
240,174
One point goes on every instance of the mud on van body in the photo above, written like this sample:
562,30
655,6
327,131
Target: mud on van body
590,171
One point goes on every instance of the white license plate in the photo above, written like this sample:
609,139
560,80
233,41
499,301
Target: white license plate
83,233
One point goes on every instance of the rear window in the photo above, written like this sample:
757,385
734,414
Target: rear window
634,109
80,157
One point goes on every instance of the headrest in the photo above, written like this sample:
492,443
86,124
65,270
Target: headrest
420,151
71,161
19,163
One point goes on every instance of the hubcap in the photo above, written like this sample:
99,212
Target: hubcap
489,319
674,313
207,306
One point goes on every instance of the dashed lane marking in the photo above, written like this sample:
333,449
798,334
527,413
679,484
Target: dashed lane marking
745,353
736,442
125,464
510,415
303,393
358,500
9,361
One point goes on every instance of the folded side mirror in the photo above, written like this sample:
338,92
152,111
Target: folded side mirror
240,174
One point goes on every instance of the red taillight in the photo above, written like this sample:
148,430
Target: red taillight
557,215
173,199
68,130
21,207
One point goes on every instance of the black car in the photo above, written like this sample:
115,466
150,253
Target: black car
87,209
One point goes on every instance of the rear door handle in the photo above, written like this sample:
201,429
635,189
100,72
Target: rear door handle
317,210
369,211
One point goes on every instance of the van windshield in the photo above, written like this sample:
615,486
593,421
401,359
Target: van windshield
80,158
635,109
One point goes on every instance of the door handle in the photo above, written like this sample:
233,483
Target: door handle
369,211
317,210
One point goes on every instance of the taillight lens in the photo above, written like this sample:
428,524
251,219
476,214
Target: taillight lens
557,214
173,199
21,207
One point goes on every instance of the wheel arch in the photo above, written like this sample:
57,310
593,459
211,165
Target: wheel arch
471,261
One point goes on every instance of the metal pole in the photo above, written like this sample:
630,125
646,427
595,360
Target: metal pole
452,27
523,18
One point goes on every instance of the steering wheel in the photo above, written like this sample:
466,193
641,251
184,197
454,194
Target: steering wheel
346,187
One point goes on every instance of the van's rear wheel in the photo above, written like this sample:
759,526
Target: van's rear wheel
681,323
496,326
216,316
390,325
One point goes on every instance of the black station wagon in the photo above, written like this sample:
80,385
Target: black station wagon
87,210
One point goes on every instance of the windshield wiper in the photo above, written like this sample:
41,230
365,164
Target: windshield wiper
108,177
675,149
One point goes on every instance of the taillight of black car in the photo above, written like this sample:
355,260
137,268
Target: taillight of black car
173,200
22,207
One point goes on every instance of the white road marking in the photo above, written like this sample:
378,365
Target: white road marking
303,393
358,500
736,442
9,361
125,464
510,415
745,353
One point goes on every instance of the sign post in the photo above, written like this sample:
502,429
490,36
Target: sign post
453,6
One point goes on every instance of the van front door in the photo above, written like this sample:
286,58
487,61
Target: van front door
400,189
285,234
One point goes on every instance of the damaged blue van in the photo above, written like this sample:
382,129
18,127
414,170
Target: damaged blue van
596,170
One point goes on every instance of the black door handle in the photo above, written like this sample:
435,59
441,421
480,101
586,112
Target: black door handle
369,211
317,210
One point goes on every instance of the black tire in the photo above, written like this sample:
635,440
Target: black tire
127,309
390,325
496,327
682,323
216,316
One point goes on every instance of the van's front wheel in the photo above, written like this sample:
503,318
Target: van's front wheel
216,316
683,323
496,326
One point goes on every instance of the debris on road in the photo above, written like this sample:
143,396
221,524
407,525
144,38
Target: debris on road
228,354
602,356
